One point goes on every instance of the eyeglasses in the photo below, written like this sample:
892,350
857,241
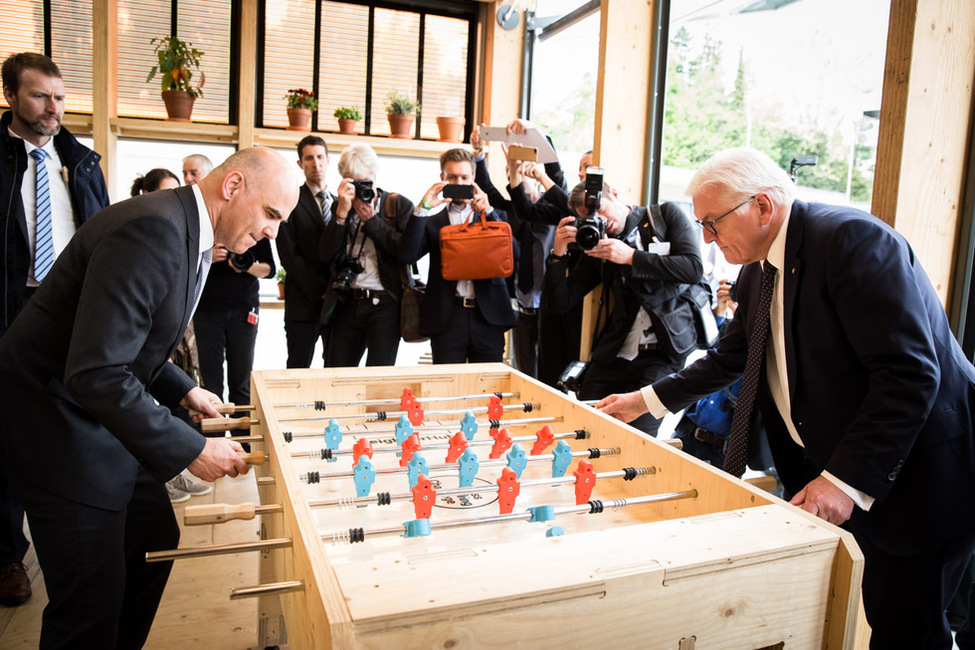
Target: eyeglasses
709,225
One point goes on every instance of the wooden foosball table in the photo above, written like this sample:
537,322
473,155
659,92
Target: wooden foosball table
471,506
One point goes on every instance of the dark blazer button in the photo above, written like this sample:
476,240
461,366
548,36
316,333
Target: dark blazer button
892,477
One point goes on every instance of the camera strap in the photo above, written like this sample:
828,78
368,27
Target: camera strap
351,244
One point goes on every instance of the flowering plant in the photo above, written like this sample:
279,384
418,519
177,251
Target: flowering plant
301,98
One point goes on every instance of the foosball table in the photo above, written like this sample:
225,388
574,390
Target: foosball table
471,506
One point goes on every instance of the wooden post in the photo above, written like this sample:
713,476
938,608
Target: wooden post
247,82
104,60
622,111
925,117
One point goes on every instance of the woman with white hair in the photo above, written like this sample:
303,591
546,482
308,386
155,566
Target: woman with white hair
370,240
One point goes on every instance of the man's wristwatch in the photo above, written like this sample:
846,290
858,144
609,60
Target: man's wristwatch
552,257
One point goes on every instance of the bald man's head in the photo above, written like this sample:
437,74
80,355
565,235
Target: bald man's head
248,196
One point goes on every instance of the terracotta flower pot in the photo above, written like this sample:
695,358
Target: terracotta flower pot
179,105
401,126
451,129
280,290
299,119
347,125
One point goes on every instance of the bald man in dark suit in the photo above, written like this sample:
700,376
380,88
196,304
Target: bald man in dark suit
82,369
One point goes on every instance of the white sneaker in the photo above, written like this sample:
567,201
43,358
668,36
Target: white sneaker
176,495
186,482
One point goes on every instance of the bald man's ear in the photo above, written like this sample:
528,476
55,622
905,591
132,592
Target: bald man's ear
233,182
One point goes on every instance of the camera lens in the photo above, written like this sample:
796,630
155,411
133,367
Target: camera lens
364,191
587,237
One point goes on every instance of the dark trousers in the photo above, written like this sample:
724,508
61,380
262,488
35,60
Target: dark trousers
622,376
905,597
13,542
524,340
226,335
357,325
101,591
468,338
558,342
302,337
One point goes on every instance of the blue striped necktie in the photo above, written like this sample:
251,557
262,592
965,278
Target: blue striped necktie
43,240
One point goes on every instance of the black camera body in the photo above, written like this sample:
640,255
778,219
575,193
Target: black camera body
458,192
591,228
364,191
342,284
733,290
571,378
242,261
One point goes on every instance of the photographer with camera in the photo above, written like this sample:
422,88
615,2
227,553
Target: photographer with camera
226,318
644,257
368,243
465,319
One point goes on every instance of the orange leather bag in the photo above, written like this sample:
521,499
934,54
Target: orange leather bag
476,250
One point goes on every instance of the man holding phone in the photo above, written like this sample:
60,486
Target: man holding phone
465,319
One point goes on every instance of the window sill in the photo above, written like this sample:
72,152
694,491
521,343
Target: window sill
156,129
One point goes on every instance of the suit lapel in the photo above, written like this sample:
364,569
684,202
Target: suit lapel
790,279
191,219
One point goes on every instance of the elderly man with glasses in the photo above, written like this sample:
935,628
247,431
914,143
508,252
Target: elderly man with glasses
843,344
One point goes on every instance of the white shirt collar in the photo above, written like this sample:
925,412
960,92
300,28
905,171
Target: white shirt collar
206,226
776,252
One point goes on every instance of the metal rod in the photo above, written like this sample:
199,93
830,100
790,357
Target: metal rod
493,462
594,507
382,416
223,549
321,405
460,491
320,454
494,424
269,589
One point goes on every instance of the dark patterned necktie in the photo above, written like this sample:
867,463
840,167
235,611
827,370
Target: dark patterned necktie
43,235
737,452
326,206
526,260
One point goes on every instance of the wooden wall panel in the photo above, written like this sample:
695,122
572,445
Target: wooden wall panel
925,117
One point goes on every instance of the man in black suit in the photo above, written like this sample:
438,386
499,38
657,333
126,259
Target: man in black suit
82,369
34,90
308,276
465,320
864,391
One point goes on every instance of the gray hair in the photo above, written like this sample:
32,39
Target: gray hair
358,160
739,173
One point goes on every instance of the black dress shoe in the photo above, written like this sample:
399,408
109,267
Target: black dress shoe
14,585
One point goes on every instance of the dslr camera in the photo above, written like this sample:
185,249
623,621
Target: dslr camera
242,261
341,288
364,191
342,284
591,228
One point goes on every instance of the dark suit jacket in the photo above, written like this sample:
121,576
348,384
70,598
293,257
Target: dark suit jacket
81,364
652,281
493,300
86,187
397,244
880,390
308,276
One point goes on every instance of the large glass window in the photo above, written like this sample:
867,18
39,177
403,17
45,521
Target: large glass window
22,29
801,80
204,24
362,53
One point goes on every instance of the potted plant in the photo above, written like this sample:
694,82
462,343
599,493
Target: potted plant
301,103
451,128
347,118
281,275
399,111
177,61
